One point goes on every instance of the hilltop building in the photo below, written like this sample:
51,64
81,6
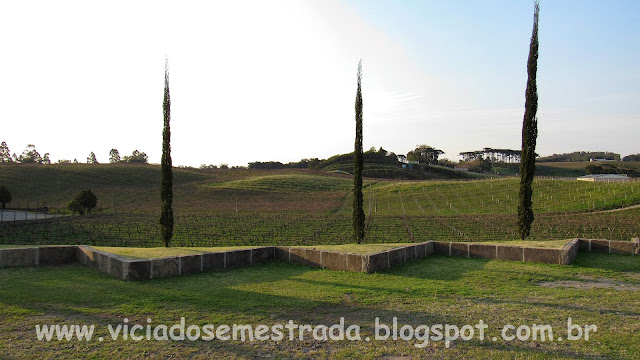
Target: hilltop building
494,155
605,178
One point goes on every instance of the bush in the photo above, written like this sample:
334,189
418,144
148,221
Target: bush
84,202
5,196
75,207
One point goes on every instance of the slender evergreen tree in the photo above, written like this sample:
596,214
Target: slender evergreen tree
166,187
358,211
529,135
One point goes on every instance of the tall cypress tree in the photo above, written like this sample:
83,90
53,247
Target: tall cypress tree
358,159
166,187
529,135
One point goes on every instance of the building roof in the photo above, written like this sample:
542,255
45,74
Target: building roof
604,176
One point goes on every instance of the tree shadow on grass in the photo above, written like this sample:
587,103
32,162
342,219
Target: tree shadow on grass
615,262
271,293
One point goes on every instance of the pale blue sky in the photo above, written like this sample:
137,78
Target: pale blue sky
275,80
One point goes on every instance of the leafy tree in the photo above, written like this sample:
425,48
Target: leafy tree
92,159
75,161
46,160
358,164
5,154
114,156
137,157
579,156
425,154
635,157
84,202
224,166
30,155
75,207
166,187
529,135
5,196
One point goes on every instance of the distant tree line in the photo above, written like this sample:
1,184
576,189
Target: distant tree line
634,157
425,154
374,156
31,156
610,169
579,156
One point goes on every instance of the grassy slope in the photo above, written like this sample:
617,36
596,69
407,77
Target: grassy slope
56,185
499,196
288,183
304,207
551,244
158,252
436,290
135,188
578,168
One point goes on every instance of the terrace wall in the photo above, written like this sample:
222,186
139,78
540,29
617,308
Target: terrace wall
33,256
368,263
611,246
142,269
562,256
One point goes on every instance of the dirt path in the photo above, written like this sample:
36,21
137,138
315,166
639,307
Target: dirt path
620,209
17,215
589,282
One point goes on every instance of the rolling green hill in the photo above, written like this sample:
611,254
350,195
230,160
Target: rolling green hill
288,183
575,169
305,207
499,196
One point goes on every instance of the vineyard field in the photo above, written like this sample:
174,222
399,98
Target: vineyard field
303,207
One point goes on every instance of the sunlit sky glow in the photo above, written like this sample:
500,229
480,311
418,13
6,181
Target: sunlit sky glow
275,80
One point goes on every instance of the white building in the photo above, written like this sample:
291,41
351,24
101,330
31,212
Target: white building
605,178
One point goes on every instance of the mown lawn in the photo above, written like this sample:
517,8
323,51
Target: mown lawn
549,244
429,291
158,252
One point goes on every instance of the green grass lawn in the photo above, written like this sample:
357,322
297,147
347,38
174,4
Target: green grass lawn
305,207
550,244
498,196
363,249
288,183
159,252
434,290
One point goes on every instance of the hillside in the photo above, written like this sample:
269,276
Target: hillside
136,188
305,207
578,168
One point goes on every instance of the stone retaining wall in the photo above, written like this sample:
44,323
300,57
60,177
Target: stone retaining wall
142,269
369,263
33,256
562,256
611,246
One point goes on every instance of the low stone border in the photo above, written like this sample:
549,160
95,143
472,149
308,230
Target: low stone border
143,269
611,246
368,263
33,256
563,256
